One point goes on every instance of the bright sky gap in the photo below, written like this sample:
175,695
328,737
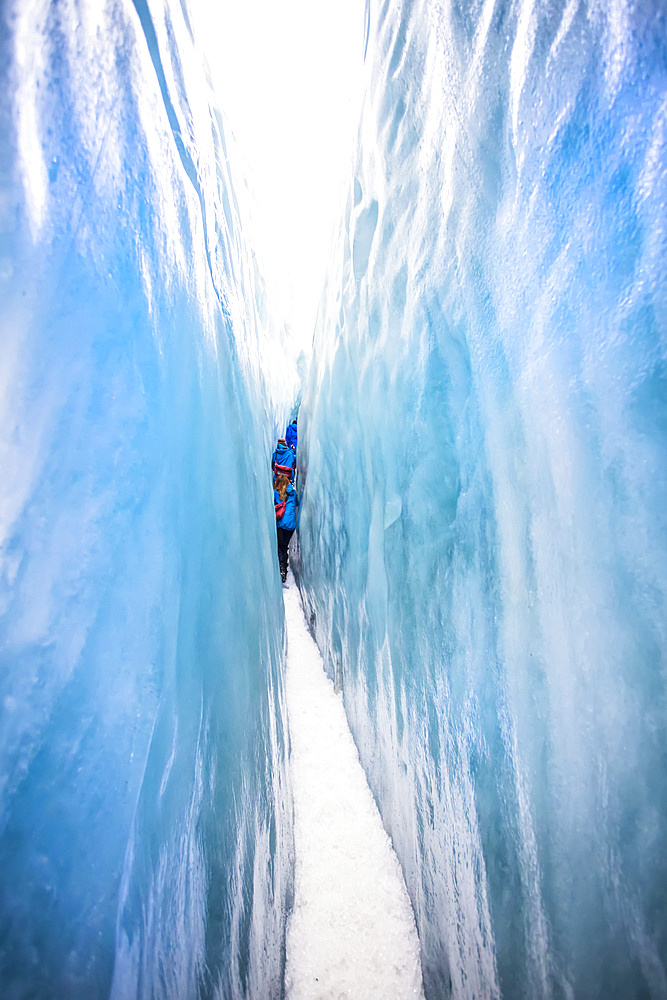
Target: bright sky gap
287,77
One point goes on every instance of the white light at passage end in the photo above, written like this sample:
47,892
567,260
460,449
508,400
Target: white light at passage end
287,78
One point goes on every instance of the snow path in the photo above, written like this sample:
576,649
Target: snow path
352,934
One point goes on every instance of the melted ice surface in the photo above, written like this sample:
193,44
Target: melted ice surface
352,932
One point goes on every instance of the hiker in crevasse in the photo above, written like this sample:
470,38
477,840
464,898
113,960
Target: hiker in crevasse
291,434
286,504
284,459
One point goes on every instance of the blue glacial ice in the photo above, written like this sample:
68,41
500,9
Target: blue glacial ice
145,824
483,542
483,446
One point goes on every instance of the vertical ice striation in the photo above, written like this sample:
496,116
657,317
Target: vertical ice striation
483,443
144,825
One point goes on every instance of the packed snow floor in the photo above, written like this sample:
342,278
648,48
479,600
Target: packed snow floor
352,932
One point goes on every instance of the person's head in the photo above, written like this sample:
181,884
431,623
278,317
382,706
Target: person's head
282,441
281,483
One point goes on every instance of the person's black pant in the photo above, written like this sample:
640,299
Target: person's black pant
284,535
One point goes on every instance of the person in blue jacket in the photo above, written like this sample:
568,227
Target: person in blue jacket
284,459
286,504
290,435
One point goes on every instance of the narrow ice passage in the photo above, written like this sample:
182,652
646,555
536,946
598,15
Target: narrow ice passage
352,932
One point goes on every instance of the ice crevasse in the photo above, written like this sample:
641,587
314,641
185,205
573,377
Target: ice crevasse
482,551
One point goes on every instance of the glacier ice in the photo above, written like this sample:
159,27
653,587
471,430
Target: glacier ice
144,811
483,543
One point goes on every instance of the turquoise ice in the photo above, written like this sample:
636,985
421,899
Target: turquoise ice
145,829
483,531
482,549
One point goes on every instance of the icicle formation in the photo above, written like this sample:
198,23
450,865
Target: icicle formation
143,820
483,533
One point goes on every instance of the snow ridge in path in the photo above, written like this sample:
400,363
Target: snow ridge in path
352,934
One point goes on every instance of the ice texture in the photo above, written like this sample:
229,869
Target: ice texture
483,451
145,818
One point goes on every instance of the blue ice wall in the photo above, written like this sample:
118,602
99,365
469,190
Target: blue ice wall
144,821
483,444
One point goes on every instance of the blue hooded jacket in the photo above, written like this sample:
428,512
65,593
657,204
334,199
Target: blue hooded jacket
284,457
290,435
289,518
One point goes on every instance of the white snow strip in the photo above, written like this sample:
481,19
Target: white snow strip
352,932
